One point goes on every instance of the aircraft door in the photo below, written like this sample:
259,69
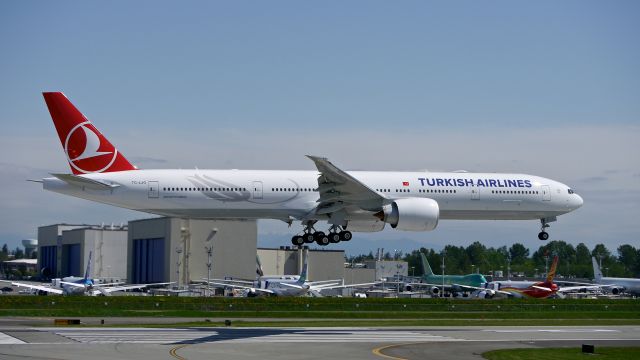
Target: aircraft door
257,189
546,193
154,190
475,193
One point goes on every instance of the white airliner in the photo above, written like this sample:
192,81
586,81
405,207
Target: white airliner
287,285
358,201
615,285
74,285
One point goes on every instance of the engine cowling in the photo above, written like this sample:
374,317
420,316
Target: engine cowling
412,214
617,290
435,291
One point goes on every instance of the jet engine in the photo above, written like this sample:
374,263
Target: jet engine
616,290
412,214
435,291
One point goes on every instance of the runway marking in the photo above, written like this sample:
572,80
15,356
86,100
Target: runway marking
172,352
7,340
172,336
551,330
378,351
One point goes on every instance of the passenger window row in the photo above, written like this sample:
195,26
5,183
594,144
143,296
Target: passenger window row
522,192
293,189
201,189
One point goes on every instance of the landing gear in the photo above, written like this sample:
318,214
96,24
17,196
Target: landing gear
543,235
345,235
297,240
310,235
321,238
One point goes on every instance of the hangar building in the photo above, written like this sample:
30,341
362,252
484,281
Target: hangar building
63,250
172,249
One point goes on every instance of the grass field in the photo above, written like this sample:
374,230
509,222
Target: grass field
605,353
348,310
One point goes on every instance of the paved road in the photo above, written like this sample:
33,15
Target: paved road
24,342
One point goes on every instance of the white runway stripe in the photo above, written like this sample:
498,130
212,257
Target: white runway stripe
169,336
6,340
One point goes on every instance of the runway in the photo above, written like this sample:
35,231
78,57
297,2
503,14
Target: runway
18,342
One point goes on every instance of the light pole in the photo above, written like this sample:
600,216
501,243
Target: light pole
413,267
186,245
443,253
178,263
209,250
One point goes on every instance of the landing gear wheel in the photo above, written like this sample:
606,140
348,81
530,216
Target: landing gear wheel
345,235
297,240
334,238
321,238
543,235
308,238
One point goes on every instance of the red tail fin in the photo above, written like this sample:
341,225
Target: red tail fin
87,150
552,270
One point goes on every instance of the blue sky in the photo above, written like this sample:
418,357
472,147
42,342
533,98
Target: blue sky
548,88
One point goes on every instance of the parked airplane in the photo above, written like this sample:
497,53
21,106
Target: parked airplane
615,285
286,285
360,201
536,289
73,285
454,284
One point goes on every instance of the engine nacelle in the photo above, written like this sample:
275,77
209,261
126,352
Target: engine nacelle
435,290
617,290
412,214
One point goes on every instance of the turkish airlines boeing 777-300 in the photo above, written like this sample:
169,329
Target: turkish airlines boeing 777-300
358,201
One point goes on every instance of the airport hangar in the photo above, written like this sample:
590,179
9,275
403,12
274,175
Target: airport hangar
178,250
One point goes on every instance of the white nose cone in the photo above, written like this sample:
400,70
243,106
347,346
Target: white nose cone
576,201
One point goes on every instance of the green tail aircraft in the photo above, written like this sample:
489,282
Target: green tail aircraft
452,283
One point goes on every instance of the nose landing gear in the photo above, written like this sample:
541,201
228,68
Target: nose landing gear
543,235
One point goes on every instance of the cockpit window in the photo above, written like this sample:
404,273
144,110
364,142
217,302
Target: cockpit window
570,191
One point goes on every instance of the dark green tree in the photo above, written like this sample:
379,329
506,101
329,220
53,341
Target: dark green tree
519,254
628,258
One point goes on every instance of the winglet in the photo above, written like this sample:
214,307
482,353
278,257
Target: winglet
552,270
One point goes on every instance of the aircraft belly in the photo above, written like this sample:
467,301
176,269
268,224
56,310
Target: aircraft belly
495,214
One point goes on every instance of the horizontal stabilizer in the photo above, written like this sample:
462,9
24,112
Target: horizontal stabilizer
81,181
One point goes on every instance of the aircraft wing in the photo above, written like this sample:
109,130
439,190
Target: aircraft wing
72,284
236,286
339,190
230,281
39,287
337,286
541,288
292,285
580,288
108,290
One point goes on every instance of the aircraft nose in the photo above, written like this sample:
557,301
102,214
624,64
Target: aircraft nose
577,201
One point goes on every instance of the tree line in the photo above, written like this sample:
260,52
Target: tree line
18,253
573,261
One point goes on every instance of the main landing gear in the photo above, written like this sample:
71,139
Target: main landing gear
543,235
310,235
